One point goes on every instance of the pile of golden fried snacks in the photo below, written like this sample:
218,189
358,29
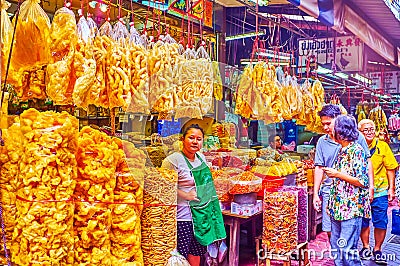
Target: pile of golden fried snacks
92,223
280,211
97,156
43,234
7,197
128,197
48,169
10,155
159,215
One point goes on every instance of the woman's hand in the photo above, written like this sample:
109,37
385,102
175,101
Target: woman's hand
317,203
331,172
191,195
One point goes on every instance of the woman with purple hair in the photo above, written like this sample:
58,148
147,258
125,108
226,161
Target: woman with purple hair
349,195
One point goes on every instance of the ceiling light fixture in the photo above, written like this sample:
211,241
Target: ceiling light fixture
245,35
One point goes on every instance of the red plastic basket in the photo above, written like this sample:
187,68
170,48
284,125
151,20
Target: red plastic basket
270,183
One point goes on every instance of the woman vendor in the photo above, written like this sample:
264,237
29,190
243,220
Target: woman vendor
199,215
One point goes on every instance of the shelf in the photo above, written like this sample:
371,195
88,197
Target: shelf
93,117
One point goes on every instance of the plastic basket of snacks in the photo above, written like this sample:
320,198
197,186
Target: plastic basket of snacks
245,182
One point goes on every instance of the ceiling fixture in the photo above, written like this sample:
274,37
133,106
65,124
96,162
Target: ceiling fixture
245,35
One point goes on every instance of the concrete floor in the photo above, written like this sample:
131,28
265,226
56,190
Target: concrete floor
247,253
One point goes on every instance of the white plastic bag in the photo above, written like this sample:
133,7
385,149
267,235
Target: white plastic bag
177,259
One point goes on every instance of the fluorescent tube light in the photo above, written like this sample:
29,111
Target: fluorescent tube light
271,54
323,70
342,75
245,35
361,78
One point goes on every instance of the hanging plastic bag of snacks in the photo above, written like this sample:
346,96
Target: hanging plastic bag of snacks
106,29
83,28
120,32
6,32
31,46
202,53
134,36
92,26
63,33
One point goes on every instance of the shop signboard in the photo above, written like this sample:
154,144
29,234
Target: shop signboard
345,51
197,10
391,82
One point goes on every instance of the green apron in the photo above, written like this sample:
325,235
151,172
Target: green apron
208,223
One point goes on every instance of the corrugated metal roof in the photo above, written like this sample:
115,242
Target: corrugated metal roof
377,13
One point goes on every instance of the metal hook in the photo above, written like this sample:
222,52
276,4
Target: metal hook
141,118
151,118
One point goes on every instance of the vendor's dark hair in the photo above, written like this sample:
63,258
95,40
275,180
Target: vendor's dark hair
330,110
195,126
346,128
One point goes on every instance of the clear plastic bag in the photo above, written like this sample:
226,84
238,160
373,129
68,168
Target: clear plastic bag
59,87
31,47
106,29
92,26
202,53
63,33
177,259
83,29
6,33
120,32
134,36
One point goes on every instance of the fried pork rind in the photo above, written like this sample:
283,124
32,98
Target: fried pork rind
63,33
97,158
43,234
92,222
159,215
44,146
48,168
126,228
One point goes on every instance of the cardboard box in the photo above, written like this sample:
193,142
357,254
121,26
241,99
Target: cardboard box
246,209
305,149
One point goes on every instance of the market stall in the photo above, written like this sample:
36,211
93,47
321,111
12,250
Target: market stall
82,109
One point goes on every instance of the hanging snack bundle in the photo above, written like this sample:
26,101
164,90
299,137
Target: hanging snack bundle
6,32
92,26
134,36
63,33
106,29
120,33
83,28
101,47
118,74
60,86
139,79
31,45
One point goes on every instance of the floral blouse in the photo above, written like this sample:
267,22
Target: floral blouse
347,201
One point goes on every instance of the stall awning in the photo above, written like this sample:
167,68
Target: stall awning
329,12
369,35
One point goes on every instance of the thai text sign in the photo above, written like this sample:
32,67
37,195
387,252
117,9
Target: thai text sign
345,51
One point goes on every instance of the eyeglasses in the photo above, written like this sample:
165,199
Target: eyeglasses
369,130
